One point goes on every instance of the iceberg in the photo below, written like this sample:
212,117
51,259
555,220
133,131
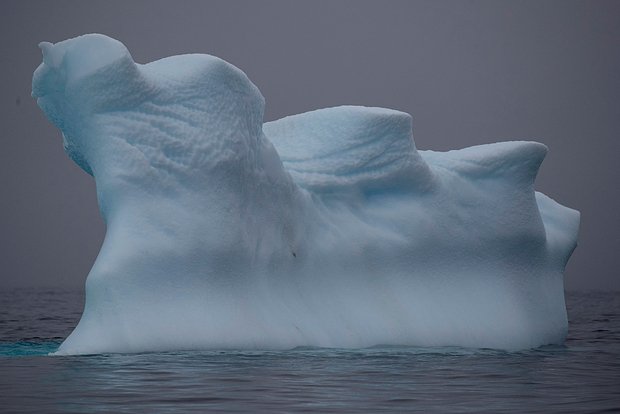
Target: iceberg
327,229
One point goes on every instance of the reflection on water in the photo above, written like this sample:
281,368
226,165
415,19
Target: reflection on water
581,376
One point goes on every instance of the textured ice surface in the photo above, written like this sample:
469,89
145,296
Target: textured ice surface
327,228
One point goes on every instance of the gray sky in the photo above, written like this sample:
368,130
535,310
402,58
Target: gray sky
470,72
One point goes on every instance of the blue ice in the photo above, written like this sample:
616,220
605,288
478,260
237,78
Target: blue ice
327,228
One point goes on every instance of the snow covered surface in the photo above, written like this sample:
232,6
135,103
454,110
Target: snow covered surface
327,228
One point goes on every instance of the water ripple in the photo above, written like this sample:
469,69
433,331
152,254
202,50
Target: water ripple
581,376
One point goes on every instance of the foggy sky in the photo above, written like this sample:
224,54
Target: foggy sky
469,72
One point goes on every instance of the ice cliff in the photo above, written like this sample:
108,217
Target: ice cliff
327,228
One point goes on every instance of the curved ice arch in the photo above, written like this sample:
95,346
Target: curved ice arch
340,233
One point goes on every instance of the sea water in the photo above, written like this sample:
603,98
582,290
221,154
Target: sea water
581,376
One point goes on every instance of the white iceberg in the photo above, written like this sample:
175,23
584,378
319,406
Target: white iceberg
327,228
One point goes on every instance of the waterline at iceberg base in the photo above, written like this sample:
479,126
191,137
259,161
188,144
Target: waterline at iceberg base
326,229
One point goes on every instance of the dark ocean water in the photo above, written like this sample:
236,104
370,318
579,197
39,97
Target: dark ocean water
581,376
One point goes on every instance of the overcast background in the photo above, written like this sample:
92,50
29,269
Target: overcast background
469,72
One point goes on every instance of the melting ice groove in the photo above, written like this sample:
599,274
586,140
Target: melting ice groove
323,229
